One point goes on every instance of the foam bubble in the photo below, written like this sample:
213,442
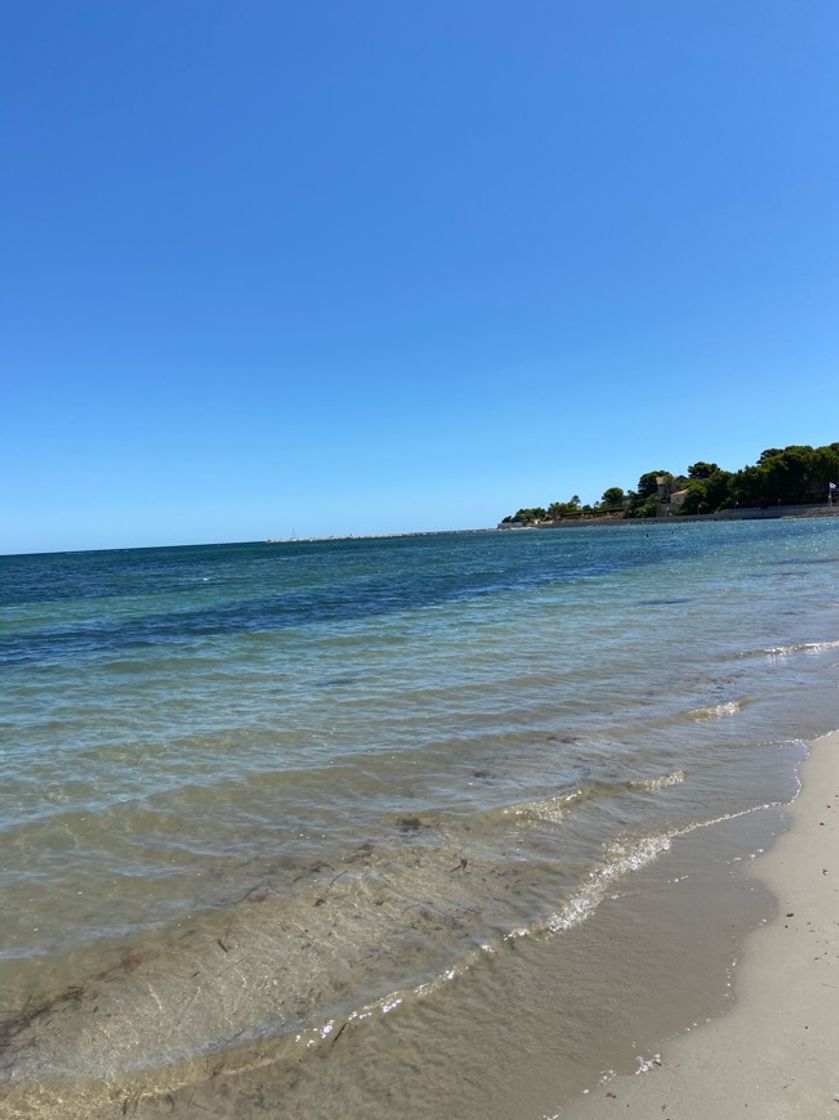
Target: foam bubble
652,784
717,711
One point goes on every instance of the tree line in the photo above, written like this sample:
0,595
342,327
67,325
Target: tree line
795,475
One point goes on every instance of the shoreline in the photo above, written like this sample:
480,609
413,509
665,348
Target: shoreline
771,1055
512,960
736,1063
771,513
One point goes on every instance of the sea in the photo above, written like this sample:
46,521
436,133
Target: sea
438,825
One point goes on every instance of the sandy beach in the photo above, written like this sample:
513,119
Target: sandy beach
775,1054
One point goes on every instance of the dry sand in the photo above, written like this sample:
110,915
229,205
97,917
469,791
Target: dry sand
776,1054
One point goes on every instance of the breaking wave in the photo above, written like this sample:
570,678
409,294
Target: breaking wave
786,651
717,711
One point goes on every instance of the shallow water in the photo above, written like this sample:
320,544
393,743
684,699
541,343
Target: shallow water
251,790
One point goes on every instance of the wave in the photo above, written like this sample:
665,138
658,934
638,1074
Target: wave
555,808
717,711
280,978
622,857
786,651
294,949
652,784
272,973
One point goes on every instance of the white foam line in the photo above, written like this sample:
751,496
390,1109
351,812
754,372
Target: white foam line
715,711
785,651
628,856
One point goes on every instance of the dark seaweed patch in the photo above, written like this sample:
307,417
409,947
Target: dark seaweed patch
803,560
663,602
410,824
33,1011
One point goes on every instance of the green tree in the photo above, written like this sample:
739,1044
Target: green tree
648,483
702,470
647,508
696,499
718,490
748,486
613,498
571,508
530,515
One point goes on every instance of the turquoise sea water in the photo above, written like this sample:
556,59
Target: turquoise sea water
347,767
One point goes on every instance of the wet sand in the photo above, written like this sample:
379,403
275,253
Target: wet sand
776,1054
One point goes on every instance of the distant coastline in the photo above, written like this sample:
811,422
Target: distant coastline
797,477
748,514
376,536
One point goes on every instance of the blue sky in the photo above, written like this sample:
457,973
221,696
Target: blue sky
360,267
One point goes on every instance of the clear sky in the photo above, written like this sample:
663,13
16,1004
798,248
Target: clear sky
356,267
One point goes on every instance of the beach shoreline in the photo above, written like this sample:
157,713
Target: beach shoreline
773,1054
763,1051
484,913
